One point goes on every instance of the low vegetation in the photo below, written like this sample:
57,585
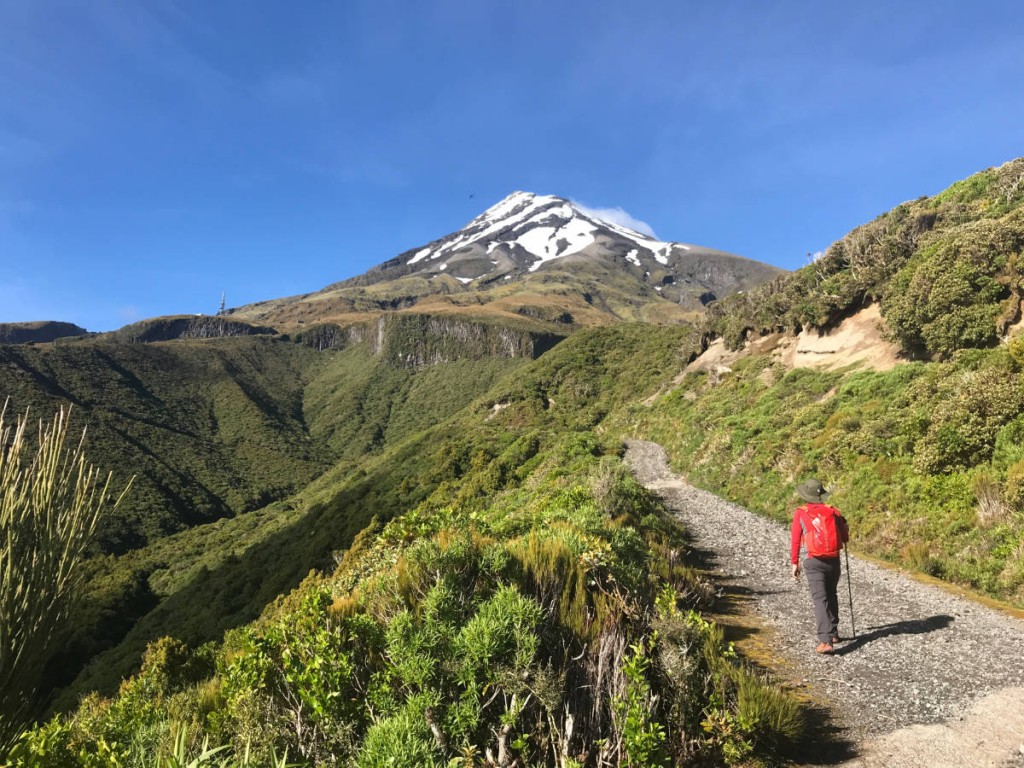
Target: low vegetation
198,583
925,459
550,623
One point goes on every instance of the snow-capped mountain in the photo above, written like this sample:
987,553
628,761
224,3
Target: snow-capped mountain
535,256
530,230
527,233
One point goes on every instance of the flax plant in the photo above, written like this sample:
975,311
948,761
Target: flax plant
49,506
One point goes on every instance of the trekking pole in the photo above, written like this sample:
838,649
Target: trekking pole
849,587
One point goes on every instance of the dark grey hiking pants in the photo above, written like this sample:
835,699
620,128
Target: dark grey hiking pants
823,580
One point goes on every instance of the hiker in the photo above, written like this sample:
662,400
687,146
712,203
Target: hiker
823,531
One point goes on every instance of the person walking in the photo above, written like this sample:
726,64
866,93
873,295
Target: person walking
823,531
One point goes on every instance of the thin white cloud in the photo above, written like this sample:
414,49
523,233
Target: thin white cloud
618,216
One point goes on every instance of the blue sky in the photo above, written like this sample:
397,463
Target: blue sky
154,154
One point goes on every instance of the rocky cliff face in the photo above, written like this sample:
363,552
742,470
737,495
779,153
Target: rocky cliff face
415,340
402,339
187,327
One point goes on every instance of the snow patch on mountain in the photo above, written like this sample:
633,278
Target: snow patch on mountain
554,242
419,255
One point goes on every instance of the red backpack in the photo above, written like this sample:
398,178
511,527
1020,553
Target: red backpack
824,530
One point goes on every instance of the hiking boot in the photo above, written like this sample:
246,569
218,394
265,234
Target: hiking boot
824,648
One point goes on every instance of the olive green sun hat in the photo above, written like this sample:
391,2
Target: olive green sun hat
812,490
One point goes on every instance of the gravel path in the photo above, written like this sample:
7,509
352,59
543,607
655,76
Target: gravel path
931,679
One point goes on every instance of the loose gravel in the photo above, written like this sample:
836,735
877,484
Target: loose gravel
930,678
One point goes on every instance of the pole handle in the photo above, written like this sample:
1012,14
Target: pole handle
849,587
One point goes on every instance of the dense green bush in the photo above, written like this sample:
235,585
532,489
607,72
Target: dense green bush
951,293
488,631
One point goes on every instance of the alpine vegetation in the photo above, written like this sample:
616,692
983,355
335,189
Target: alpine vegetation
49,506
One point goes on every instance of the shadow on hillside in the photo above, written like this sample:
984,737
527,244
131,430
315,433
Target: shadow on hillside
910,627
242,585
702,559
731,597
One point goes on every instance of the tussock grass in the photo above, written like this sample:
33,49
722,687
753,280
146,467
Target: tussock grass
51,499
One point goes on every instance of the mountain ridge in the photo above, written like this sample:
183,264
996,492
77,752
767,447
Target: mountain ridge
542,259
527,231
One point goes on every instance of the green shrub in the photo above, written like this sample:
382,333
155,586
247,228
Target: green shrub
948,296
643,738
401,741
970,409
1013,494
496,624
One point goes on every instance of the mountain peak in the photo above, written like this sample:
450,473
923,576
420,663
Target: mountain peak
525,231
538,256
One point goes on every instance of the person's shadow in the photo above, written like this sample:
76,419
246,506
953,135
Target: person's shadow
911,627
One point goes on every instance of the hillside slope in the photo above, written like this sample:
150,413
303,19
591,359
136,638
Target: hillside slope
926,458
495,613
210,431
945,269
38,332
399,438
214,432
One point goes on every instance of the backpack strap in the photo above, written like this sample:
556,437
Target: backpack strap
801,519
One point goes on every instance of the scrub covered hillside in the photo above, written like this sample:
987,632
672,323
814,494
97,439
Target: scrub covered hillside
536,606
246,422
926,459
197,583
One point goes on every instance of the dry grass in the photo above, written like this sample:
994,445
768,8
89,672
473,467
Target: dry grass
991,509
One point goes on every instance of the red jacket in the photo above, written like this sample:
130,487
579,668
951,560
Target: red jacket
804,523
